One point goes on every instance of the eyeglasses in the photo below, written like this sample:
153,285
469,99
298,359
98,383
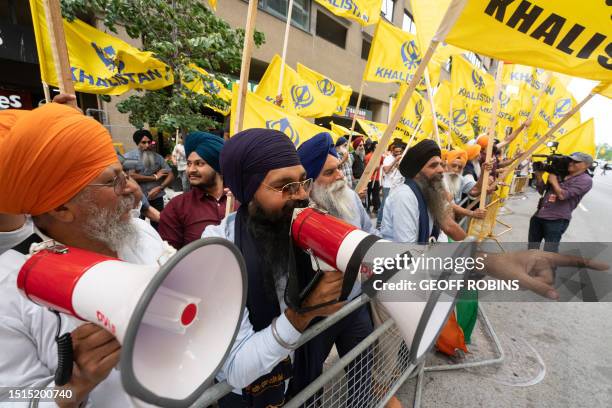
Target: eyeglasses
119,183
289,190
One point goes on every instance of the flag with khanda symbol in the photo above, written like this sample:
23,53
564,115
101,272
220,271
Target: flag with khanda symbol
471,86
340,94
299,96
259,113
206,84
365,12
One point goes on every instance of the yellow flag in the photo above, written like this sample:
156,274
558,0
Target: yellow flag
470,85
298,96
374,130
605,89
210,86
418,111
338,93
461,128
100,63
580,139
552,109
258,113
365,12
394,55
570,37
213,4
342,131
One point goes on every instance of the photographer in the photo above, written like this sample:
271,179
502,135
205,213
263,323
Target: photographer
561,197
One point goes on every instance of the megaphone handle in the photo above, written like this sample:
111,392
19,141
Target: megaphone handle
65,354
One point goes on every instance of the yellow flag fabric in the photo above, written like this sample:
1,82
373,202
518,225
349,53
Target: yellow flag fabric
471,86
338,93
299,97
365,12
570,37
258,113
394,55
100,63
213,4
552,109
428,15
374,130
460,129
339,131
580,139
605,89
210,86
417,111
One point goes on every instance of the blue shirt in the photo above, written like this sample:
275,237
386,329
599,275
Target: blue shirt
159,164
400,221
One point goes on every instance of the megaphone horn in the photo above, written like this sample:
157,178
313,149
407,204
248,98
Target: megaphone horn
176,323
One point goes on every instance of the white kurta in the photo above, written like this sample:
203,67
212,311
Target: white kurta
28,356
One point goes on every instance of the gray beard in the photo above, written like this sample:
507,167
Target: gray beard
435,197
361,154
335,199
148,160
105,225
452,182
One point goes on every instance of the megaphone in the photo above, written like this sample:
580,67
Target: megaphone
176,323
345,247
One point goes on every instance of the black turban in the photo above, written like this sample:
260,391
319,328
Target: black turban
313,153
417,156
248,156
139,134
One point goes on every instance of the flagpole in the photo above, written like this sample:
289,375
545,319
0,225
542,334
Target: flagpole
395,118
451,122
491,134
46,91
412,138
281,78
58,47
356,111
433,107
247,49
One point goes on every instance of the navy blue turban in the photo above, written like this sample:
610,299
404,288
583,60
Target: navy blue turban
341,140
206,145
313,153
248,156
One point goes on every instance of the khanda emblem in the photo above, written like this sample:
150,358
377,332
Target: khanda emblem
410,54
283,125
326,87
478,80
562,107
108,56
504,99
211,87
418,110
301,96
460,117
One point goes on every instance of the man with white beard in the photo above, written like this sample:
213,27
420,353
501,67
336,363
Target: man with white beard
152,172
330,191
459,184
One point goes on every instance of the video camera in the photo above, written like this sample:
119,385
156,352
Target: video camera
556,164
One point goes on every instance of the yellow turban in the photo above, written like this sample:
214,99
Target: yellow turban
48,155
457,154
483,141
472,151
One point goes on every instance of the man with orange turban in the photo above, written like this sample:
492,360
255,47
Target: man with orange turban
459,184
472,165
61,168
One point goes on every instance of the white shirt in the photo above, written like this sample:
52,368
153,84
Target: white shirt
12,238
400,221
393,178
253,353
27,330
179,155
467,183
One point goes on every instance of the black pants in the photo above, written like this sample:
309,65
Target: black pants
548,230
373,197
158,204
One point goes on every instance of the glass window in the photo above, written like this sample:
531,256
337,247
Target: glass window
331,30
365,48
388,6
300,16
408,24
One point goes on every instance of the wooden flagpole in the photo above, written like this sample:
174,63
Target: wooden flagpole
279,96
247,49
59,49
412,138
363,83
46,91
491,133
433,107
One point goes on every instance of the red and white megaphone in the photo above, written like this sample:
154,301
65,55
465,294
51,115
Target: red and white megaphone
176,323
345,247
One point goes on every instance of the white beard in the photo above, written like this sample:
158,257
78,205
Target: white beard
452,183
335,199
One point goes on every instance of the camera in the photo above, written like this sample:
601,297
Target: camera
556,164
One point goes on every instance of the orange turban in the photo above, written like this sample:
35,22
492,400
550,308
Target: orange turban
483,141
472,151
48,155
444,154
457,154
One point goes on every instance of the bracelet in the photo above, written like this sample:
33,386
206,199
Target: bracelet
156,178
278,338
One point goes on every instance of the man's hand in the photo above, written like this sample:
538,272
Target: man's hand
488,166
362,194
328,289
479,213
161,173
154,192
534,269
96,352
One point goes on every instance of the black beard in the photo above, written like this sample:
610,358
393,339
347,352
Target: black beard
271,234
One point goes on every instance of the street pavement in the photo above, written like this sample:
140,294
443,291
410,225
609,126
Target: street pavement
557,354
